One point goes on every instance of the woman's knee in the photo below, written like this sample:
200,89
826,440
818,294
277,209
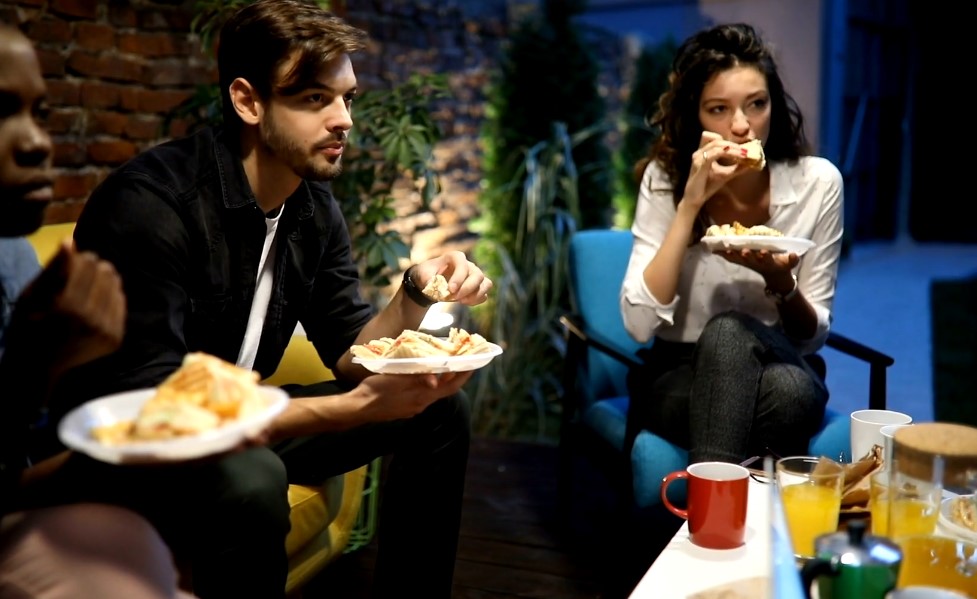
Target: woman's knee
790,395
726,334
731,323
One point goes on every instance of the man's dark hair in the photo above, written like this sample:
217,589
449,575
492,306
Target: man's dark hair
260,37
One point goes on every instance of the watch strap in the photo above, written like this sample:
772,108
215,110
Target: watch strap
414,292
783,297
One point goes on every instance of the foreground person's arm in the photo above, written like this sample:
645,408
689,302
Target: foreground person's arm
378,398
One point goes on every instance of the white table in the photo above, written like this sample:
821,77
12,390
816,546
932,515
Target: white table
683,568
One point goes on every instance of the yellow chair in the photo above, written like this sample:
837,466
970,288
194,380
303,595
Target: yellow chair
323,518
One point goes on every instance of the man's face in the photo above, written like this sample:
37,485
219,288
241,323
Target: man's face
25,147
308,131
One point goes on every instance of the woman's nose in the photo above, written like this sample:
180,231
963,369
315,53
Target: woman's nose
741,125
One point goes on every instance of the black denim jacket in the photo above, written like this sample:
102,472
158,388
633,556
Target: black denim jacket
181,225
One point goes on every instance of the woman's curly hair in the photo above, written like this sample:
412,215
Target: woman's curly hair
696,62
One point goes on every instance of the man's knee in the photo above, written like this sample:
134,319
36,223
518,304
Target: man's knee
253,481
452,416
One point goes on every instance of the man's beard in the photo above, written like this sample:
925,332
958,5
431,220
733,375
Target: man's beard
21,217
296,158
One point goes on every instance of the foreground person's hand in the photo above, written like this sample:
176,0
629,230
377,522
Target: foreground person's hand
763,262
396,396
76,306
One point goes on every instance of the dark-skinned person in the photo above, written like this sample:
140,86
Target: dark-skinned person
50,321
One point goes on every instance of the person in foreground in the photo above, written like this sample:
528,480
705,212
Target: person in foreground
726,376
224,241
77,307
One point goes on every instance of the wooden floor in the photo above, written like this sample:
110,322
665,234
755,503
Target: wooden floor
515,542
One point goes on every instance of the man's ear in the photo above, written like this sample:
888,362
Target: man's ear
246,102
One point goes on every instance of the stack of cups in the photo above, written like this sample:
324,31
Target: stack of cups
867,430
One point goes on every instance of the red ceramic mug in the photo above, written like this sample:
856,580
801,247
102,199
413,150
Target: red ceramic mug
717,503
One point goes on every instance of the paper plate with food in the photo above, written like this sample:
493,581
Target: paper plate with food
958,517
759,237
206,407
415,352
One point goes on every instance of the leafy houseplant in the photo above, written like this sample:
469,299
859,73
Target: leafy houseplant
547,173
517,392
547,75
393,141
391,144
651,71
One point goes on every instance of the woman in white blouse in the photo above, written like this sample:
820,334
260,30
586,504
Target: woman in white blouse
726,376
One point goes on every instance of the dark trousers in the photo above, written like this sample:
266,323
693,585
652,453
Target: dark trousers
741,390
229,516
420,504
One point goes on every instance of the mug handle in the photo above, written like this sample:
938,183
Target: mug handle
684,514
817,567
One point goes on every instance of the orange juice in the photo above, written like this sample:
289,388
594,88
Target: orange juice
939,562
908,516
811,511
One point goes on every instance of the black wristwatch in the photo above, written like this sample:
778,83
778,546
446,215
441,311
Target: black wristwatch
414,292
780,298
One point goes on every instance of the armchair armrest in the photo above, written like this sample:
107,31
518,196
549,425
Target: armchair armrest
878,362
578,329
580,338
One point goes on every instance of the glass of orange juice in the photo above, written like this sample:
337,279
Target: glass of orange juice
902,507
810,490
941,562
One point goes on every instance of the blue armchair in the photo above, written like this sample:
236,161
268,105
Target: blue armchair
598,354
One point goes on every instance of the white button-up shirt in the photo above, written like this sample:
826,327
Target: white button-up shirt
805,201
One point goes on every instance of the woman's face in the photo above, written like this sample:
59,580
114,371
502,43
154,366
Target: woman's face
735,103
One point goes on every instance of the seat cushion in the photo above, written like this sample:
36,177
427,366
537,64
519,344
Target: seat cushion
48,238
833,440
608,418
322,520
651,456
312,510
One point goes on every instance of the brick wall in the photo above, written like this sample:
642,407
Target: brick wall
115,69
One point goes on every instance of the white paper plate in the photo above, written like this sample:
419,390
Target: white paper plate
797,245
429,365
75,430
956,530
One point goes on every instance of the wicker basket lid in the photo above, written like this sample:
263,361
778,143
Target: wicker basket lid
914,448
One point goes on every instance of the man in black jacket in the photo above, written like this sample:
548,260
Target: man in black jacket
225,240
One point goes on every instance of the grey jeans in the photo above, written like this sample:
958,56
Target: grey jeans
741,390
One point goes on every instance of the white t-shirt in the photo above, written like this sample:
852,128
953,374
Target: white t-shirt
262,295
805,201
